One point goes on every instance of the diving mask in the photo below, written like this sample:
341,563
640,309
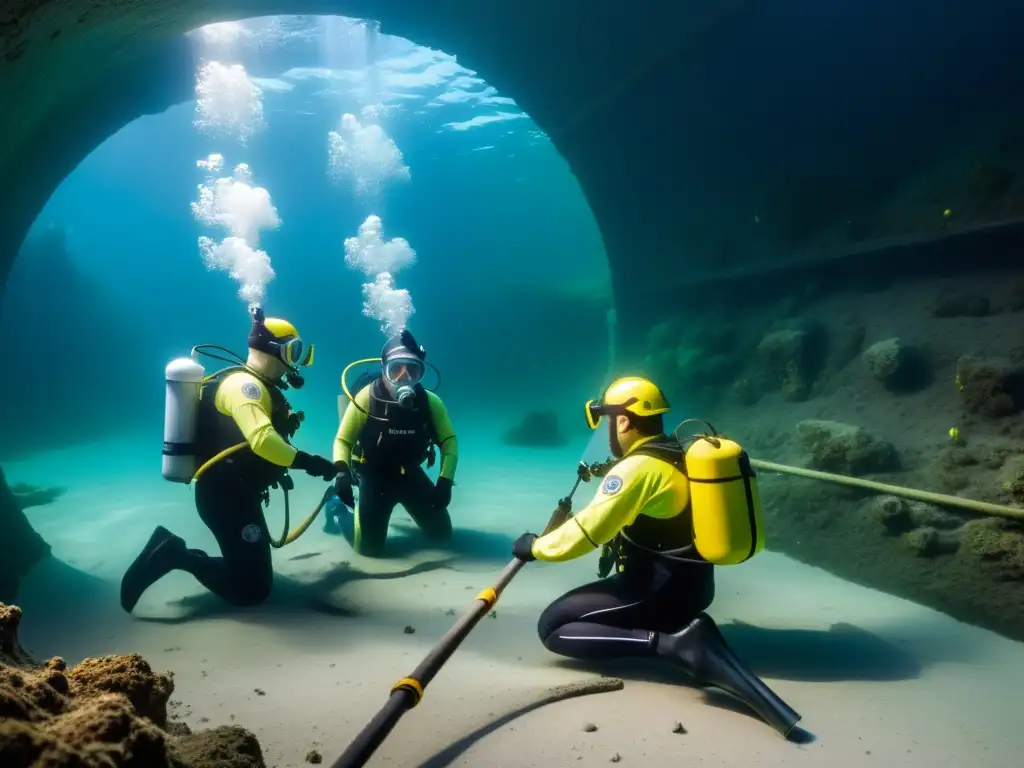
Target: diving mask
404,371
293,352
595,410
402,375
280,339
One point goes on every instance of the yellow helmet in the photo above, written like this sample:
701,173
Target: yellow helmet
279,338
632,394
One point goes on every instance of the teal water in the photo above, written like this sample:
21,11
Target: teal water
511,294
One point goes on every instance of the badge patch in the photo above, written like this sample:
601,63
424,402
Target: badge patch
251,533
612,485
252,391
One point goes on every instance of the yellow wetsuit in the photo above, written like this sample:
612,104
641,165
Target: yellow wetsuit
636,485
354,420
246,400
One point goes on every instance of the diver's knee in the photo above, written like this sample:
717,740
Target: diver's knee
364,549
547,625
248,594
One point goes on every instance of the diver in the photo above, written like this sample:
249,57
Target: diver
646,520
242,407
387,431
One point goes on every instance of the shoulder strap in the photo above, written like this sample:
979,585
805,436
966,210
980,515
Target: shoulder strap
665,448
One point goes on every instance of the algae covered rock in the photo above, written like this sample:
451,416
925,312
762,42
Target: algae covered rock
538,429
897,366
990,387
785,363
929,542
107,712
846,449
892,513
997,544
927,516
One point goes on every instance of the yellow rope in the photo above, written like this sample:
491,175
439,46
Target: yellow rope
941,499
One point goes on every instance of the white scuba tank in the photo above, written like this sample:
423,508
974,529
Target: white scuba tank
184,377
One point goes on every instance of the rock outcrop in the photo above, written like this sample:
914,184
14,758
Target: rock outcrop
846,449
108,712
899,367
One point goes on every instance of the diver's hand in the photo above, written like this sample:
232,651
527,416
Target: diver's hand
315,466
343,484
523,548
443,493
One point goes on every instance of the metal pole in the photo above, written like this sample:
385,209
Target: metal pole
408,692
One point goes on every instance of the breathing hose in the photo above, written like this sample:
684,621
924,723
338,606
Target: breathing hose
287,536
940,499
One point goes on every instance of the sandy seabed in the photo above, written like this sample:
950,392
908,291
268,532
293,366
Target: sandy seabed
878,680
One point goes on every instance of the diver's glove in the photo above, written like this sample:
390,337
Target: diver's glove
523,548
315,466
443,493
343,484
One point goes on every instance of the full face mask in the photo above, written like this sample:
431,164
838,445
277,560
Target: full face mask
402,374
403,368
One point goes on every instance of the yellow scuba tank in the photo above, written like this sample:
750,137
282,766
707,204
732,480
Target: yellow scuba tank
724,500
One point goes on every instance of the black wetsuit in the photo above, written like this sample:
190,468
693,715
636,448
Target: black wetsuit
654,606
649,593
230,498
389,472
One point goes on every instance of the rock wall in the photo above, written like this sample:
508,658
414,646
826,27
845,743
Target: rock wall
917,384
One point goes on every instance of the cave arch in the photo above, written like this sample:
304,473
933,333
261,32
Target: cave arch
103,67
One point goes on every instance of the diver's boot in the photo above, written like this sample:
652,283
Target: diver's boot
701,650
161,554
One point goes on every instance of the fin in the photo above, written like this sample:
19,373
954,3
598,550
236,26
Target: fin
702,651
156,560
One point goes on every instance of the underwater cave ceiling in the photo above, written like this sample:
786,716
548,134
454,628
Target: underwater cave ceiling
707,135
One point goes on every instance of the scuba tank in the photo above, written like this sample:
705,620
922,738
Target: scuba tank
184,384
724,500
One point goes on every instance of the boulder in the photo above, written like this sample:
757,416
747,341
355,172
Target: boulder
845,449
892,513
785,363
897,366
990,387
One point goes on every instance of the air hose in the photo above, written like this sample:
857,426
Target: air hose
287,536
940,499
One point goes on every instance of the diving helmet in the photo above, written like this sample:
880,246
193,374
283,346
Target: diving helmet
403,367
629,395
280,339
